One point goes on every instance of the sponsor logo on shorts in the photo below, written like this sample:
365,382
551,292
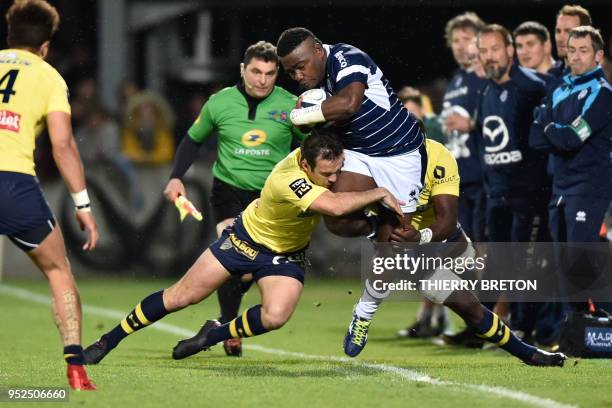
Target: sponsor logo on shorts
300,187
581,216
10,121
242,247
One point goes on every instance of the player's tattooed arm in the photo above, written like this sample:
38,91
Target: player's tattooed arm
345,103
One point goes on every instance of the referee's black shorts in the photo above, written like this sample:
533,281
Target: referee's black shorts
25,216
228,201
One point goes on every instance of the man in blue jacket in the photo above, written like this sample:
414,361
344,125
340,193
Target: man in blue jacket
575,125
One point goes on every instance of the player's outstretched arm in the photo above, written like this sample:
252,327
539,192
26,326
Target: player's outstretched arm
68,160
338,204
345,103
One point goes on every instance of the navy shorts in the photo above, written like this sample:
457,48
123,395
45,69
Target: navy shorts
25,216
240,255
229,201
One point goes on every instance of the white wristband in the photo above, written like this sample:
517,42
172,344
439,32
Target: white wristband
81,200
426,236
307,116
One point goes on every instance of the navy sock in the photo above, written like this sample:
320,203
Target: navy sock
491,328
148,311
73,354
247,325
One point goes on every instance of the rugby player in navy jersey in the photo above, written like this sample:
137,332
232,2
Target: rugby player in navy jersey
383,141
383,145
533,46
460,102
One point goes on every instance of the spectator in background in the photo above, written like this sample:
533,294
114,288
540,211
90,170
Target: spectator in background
533,46
147,134
568,18
99,142
125,90
460,101
412,99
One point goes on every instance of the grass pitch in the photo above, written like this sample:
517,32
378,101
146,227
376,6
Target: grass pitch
301,365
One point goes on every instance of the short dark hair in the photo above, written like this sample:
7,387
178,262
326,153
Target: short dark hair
262,50
576,11
588,31
322,143
31,23
535,28
469,19
499,29
291,38
411,94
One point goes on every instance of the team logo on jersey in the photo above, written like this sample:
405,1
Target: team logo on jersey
10,121
242,247
583,93
581,216
278,116
503,96
254,137
300,187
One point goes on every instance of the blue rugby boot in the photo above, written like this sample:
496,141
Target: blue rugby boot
357,336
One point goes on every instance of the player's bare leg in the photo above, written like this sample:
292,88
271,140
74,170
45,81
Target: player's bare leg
50,257
280,295
200,281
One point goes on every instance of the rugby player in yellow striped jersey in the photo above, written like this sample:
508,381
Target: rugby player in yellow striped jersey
32,95
267,240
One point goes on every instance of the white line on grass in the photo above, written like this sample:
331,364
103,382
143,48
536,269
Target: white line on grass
407,374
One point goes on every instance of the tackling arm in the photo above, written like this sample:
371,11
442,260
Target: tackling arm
338,204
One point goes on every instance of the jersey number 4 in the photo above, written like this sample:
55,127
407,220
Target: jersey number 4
7,89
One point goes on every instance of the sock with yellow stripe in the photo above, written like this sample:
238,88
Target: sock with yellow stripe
493,329
73,354
148,311
246,325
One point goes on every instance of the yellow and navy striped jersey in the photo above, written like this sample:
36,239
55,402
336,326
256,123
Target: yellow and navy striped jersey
279,219
29,89
442,177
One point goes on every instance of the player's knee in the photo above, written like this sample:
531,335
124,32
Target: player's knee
274,317
175,298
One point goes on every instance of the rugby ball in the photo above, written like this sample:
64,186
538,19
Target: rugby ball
312,97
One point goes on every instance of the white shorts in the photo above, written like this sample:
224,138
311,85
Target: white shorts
402,175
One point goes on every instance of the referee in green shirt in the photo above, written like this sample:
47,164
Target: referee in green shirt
254,133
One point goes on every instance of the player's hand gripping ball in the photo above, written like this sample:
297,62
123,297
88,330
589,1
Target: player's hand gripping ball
312,97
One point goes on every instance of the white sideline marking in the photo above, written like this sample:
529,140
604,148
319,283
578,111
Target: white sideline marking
407,374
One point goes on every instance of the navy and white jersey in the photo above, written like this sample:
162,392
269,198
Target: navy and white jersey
461,98
505,115
382,126
575,124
